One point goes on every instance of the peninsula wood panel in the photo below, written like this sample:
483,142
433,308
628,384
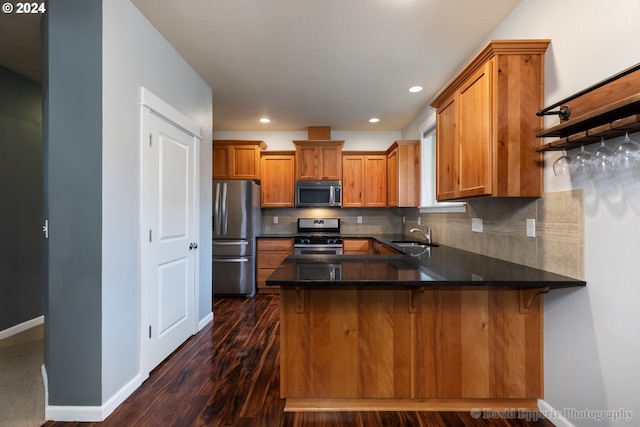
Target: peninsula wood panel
477,344
427,343
345,343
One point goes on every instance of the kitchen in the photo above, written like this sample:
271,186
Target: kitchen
590,345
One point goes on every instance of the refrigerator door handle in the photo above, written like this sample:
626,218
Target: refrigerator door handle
218,243
230,259
225,213
216,210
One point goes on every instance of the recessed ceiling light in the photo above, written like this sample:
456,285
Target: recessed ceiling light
374,120
414,89
265,120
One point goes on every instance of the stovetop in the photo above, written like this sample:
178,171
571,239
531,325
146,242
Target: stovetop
317,239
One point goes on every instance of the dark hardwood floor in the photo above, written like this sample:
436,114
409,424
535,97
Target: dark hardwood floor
228,375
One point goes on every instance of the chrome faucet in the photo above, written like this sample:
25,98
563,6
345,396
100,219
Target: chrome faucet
427,235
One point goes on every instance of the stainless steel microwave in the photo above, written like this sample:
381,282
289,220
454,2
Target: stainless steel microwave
319,194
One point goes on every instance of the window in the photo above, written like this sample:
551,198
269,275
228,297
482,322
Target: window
428,201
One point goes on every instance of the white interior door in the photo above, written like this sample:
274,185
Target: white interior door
169,253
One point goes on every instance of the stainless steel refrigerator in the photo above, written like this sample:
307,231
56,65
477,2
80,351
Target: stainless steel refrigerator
237,220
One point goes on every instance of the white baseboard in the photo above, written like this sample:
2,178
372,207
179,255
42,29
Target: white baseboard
21,327
204,322
86,413
553,414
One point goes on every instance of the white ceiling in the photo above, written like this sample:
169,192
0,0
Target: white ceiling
307,62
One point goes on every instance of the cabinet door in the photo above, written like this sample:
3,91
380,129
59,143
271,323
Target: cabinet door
375,181
220,162
307,162
392,178
352,181
446,150
244,162
330,166
277,180
270,254
356,246
474,103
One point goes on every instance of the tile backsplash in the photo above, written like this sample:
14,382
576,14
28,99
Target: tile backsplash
558,245
374,221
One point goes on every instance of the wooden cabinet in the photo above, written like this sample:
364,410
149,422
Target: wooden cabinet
403,174
378,248
319,160
237,159
270,254
364,179
430,346
277,179
486,124
356,246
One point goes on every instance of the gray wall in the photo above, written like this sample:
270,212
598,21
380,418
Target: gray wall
72,114
21,286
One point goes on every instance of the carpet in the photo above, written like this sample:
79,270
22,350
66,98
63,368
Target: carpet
21,387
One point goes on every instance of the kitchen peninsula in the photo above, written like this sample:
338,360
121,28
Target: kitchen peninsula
436,329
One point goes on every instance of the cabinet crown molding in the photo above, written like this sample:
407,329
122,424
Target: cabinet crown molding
491,49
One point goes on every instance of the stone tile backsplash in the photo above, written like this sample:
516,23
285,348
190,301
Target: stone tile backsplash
557,247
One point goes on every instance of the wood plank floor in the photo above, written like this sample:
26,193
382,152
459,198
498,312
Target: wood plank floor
228,375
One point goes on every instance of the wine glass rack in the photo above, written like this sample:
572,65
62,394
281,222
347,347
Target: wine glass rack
608,109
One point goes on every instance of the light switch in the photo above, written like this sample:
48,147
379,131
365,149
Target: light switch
359,220
476,225
531,227
275,219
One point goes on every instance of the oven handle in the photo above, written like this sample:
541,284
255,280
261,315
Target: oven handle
304,245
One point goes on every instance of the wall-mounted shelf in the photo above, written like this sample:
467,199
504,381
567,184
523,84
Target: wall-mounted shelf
606,110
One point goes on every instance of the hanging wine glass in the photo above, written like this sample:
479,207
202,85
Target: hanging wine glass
627,153
603,158
562,165
582,162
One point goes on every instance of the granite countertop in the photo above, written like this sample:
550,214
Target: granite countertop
436,266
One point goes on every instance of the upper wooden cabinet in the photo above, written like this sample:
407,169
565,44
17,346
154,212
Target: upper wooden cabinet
277,179
403,173
237,159
486,124
364,179
319,160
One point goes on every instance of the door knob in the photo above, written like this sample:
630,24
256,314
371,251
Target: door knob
193,245
190,246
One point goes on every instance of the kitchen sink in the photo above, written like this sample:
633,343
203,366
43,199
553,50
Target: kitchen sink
412,243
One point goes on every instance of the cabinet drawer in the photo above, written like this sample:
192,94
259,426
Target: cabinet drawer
272,259
275,245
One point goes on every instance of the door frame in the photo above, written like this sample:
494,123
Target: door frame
152,104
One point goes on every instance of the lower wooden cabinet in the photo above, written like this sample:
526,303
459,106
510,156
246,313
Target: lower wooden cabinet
382,249
270,254
351,246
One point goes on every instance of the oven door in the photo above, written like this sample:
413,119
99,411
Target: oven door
311,249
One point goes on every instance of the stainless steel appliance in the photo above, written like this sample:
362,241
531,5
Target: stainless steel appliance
237,220
319,194
318,236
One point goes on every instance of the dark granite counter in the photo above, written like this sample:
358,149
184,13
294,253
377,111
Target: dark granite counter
433,266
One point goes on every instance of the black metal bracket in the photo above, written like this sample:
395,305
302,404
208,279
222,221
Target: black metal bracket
564,112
